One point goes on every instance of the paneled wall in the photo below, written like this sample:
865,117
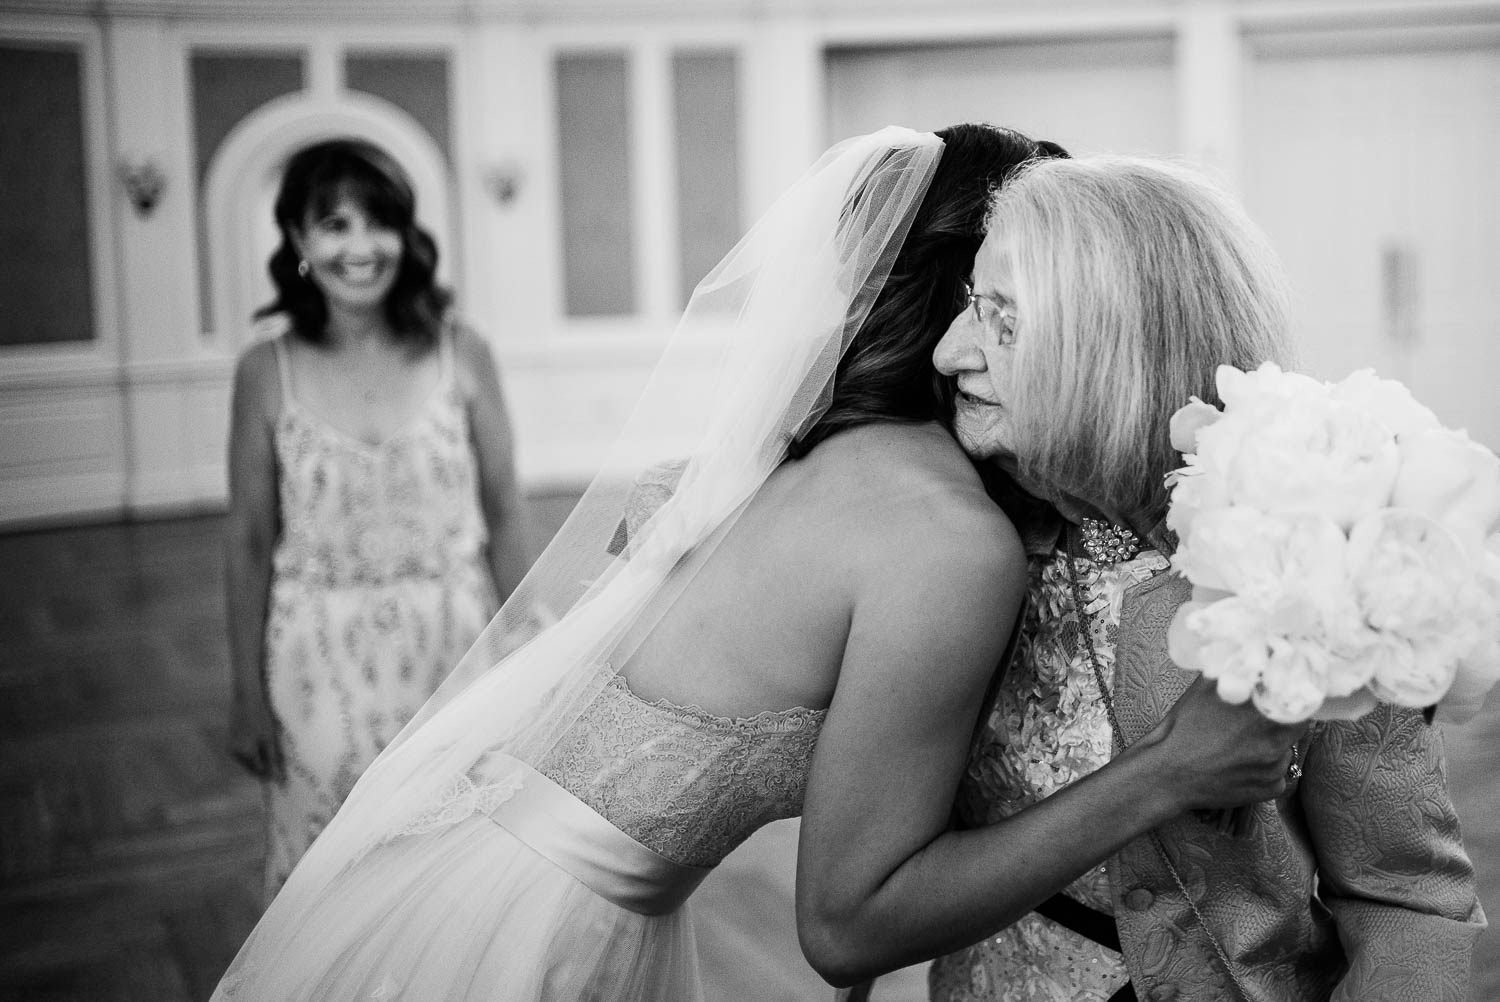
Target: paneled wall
583,162
1371,164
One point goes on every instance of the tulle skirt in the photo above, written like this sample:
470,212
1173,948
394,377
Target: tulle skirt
470,913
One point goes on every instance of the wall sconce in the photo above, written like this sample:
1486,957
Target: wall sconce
503,181
145,183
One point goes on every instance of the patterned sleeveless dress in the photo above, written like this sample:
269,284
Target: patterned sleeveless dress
1048,728
379,586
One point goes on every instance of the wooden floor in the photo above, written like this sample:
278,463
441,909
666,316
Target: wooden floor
130,847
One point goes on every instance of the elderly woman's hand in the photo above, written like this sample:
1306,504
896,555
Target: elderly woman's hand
1218,754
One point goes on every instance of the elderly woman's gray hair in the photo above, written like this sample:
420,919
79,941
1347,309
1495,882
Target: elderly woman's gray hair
1135,279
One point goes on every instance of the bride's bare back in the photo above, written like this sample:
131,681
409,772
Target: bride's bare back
765,623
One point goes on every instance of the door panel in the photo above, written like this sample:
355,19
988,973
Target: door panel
1090,95
1372,170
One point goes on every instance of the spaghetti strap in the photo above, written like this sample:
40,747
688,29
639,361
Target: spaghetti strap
284,371
446,365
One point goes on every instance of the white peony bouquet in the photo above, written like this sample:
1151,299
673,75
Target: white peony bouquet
1342,546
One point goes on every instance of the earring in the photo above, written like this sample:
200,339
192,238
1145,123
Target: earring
303,267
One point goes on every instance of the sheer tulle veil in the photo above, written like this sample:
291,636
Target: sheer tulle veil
749,365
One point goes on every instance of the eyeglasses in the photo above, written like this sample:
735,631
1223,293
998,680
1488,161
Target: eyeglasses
996,319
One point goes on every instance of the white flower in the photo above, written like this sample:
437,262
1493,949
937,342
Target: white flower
1472,681
1186,422
1489,566
1342,546
1409,675
1252,553
1248,650
1265,385
1293,684
1194,489
1222,550
1349,641
1282,444
1479,670
1225,640
1386,400
1315,456
1450,478
1274,618
1422,597
1407,571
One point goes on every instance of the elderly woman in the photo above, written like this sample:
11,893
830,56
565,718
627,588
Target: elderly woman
1105,294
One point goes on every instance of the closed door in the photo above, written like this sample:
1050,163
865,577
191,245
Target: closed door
1371,164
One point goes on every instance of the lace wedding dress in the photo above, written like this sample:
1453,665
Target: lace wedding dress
569,890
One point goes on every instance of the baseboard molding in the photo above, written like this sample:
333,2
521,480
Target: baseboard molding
101,504
199,489
45,502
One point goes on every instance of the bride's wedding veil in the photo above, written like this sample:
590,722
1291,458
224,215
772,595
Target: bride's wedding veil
749,365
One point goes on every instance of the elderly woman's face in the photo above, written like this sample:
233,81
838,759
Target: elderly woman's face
978,351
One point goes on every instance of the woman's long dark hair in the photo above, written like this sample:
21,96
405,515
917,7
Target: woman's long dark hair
887,371
314,179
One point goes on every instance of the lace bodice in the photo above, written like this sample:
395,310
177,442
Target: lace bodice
686,783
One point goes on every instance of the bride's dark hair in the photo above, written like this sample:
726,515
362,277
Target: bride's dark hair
887,371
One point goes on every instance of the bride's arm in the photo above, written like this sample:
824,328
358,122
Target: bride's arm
881,881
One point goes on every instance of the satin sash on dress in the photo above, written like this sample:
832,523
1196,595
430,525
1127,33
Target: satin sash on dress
609,862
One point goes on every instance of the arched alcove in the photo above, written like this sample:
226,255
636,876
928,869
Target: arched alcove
240,190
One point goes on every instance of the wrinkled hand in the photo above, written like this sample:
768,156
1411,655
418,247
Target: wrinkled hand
254,739
1223,755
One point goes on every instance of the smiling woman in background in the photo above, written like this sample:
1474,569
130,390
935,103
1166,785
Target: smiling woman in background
374,524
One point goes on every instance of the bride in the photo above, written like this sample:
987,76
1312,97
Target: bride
803,612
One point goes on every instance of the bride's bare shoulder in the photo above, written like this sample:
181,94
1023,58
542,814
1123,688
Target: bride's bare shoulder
925,559
904,491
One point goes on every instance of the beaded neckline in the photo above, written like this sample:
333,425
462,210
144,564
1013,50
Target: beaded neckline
1107,543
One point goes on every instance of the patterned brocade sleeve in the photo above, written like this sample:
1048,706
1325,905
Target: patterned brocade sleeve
1392,867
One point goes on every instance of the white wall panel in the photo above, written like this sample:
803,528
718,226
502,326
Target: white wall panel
64,452
1089,94
177,457
1370,161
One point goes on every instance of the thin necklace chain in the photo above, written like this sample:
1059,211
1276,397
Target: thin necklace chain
1084,627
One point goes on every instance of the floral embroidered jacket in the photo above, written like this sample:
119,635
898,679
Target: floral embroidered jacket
1353,887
